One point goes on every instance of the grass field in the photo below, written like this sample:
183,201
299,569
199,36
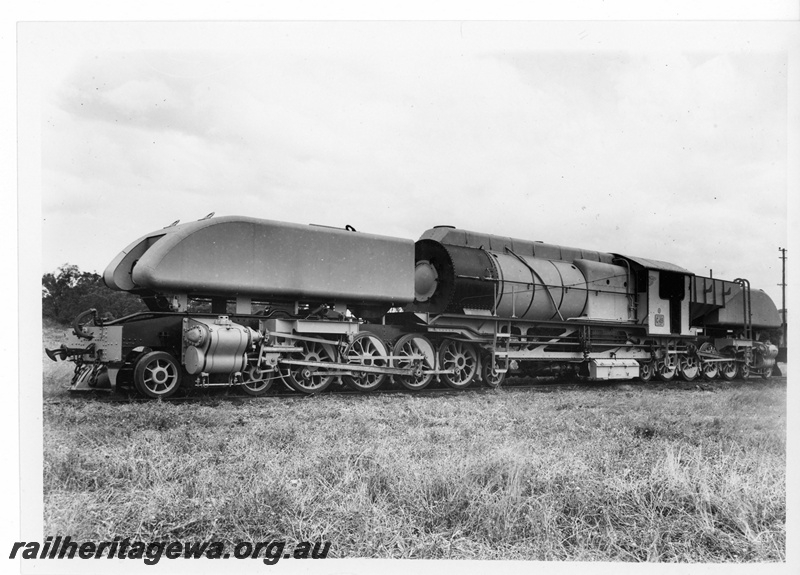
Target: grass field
623,472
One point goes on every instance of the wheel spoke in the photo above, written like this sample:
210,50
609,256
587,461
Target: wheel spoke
665,371
689,367
729,369
311,379
709,369
491,376
460,357
646,370
366,349
257,381
410,345
157,374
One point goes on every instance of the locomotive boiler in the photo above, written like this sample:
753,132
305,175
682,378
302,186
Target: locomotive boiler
247,302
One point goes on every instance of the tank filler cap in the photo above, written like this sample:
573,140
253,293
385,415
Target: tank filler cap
426,280
445,226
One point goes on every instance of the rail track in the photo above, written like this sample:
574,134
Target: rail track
216,395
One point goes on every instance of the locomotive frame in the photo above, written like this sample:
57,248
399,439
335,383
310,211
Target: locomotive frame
340,306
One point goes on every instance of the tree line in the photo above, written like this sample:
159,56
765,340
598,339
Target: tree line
68,291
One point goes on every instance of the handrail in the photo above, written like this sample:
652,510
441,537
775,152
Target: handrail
747,311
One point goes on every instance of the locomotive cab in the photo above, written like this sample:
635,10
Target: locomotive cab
663,291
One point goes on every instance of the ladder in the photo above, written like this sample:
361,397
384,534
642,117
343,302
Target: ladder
502,353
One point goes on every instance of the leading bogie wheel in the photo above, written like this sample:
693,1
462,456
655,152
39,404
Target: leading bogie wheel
366,349
157,375
461,359
411,345
256,381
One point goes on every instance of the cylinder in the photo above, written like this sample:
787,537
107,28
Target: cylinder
215,346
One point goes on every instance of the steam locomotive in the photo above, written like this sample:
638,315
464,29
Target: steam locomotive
246,302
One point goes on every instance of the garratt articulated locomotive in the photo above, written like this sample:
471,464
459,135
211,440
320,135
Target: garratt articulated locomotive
310,305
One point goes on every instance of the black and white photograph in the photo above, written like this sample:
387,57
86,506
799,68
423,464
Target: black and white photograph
337,296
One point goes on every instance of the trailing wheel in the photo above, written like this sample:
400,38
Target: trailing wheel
366,349
462,359
307,378
688,367
647,369
489,370
410,345
157,374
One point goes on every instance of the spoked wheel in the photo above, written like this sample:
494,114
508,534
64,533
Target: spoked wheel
366,349
462,359
489,370
306,378
410,345
728,370
157,374
257,381
709,369
647,370
743,370
688,367
666,368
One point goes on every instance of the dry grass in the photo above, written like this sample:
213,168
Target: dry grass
611,473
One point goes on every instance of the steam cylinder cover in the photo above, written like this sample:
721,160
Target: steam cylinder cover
216,345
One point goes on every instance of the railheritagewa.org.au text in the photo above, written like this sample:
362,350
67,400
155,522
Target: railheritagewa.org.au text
270,552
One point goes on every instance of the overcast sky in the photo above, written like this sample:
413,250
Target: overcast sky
657,140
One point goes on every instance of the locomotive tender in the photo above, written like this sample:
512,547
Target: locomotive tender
310,305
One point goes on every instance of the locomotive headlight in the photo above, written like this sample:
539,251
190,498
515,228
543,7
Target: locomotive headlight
426,279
